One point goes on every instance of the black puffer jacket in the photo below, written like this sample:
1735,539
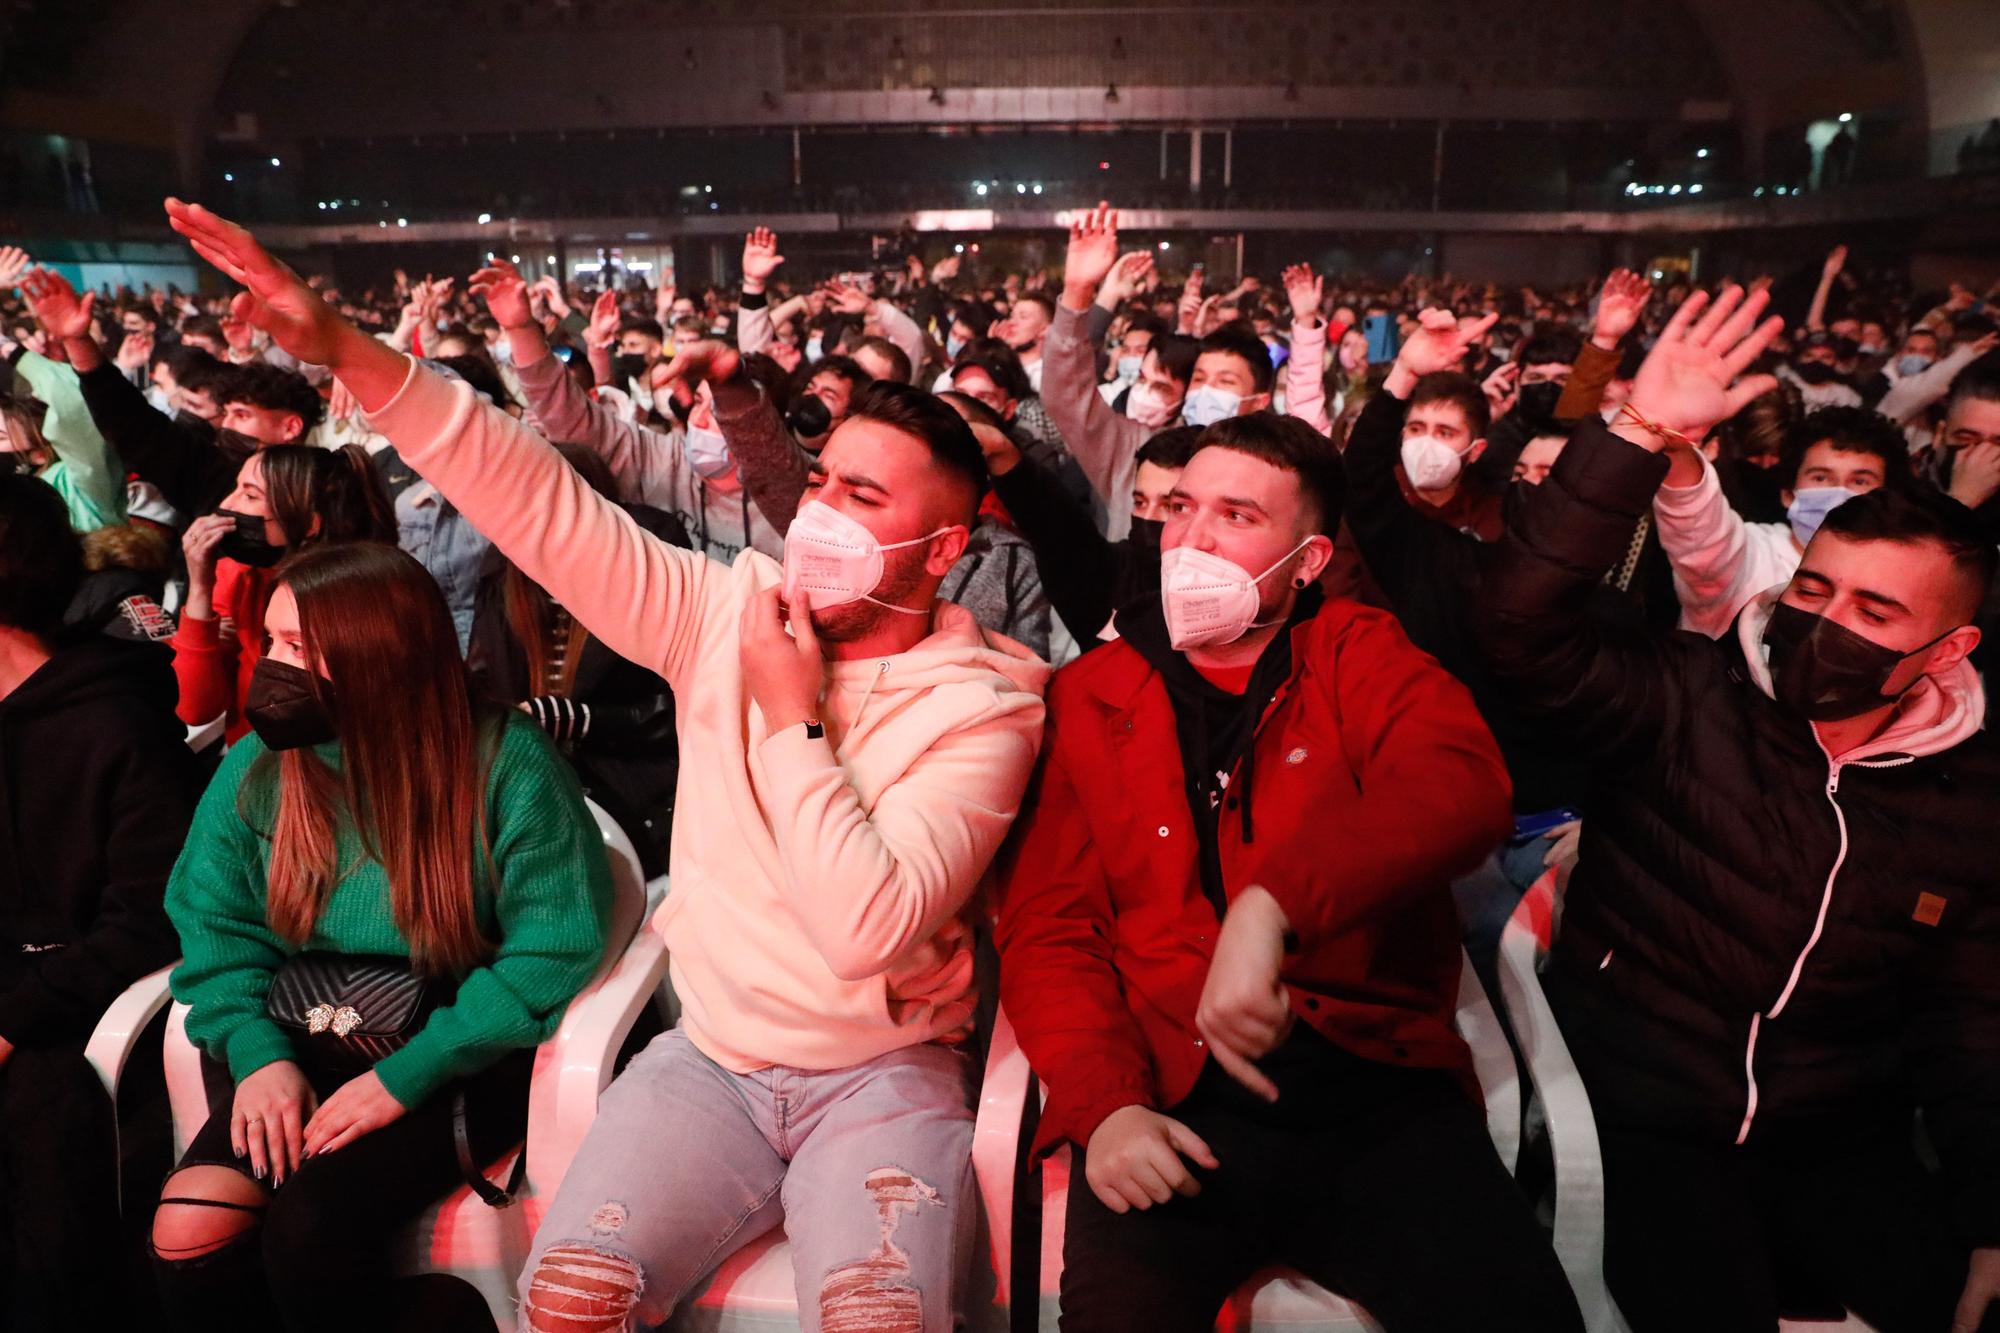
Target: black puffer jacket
96,790
1759,943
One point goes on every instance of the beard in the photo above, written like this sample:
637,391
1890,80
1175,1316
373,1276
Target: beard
902,582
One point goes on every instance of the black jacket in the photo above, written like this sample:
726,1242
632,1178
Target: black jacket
1431,575
1086,575
96,790
621,741
1759,945
193,466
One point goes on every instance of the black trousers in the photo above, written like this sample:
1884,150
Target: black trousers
1379,1183
1726,1239
320,1256
61,1263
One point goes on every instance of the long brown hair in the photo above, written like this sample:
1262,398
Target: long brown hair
530,611
337,486
23,416
413,755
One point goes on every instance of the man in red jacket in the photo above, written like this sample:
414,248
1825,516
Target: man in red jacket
1227,938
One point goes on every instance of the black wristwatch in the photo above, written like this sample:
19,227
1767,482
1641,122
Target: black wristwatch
814,731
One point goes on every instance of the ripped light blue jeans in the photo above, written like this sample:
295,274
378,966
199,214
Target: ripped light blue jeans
868,1169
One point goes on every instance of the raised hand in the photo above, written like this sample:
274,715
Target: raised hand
277,300
1836,260
1125,278
1440,341
706,359
1093,249
1190,303
1619,306
1502,389
602,330
238,335
1304,289
135,351
13,263
663,304
506,293
56,306
1690,380
848,300
945,269
760,258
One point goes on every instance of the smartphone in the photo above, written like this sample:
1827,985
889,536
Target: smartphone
1529,827
1383,341
564,352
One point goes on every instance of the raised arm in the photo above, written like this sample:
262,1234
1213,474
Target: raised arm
1620,303
769,462
1608,687
1305,369
1707,543
1836,260
565,413
754,325
648,601
1102,442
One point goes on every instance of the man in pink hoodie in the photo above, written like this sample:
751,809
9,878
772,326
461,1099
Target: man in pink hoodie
853,751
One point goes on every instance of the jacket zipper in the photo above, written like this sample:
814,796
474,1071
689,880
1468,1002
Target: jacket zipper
1819,927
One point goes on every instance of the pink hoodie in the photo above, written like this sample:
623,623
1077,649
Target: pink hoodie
817,917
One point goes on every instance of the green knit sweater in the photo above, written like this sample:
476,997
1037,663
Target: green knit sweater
548,920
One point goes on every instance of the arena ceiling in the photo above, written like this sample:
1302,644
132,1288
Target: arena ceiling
195,66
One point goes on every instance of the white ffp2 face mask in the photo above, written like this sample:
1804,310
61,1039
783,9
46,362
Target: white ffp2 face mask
1208,599
707,451
1430,463
832,559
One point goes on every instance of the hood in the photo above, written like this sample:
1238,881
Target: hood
1935,714
957,651
96,667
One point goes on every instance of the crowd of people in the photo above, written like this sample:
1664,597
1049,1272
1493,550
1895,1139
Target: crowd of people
1228,662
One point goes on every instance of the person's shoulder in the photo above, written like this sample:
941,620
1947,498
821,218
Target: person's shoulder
1116,666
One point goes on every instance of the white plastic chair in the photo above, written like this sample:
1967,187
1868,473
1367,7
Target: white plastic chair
461,1235
1276,1298
1572,1128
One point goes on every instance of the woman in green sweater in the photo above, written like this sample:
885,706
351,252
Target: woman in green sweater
376,819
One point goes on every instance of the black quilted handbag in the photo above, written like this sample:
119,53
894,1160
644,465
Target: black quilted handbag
345,1013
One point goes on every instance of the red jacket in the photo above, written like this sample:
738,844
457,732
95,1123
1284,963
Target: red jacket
1375,784
213,659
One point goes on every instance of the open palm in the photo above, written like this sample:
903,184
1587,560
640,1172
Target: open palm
56,305
1690,380
276,299
1093,247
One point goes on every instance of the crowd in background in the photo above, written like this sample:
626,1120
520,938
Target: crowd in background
1374,604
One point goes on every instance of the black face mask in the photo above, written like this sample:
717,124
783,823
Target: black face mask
247,545
1145,534
1827,672
627,366
235,443
1816,373
1538,401
284,709
810,417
